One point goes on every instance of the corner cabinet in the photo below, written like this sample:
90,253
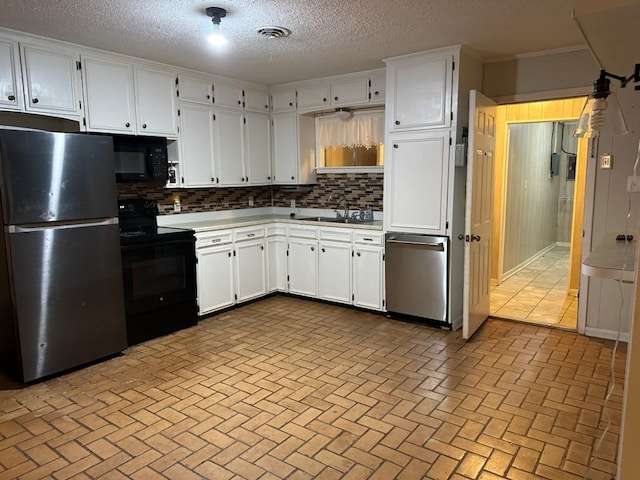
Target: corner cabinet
416,182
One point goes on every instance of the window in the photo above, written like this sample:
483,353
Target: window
355,143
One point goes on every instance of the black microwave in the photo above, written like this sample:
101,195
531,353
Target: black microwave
141,159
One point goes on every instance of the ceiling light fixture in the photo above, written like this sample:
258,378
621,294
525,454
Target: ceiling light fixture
216,13
601,114
343,113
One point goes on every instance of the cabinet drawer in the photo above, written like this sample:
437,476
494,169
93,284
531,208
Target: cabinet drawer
367,238
276,230
248,233
209,239
336,234
303,232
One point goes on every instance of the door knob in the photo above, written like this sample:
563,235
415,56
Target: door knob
461,236
475,237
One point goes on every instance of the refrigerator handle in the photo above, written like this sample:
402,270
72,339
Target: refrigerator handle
57,226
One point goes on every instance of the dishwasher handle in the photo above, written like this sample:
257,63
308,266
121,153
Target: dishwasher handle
426,246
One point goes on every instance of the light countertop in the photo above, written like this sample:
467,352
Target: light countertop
611,258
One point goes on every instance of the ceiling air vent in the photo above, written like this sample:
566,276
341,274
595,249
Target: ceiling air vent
273,32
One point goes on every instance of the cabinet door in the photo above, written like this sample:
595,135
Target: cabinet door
285,148
350,92
251,279
367,277
156,102
377,87
283,101
215,278
421,94
192,89
256,100
227,128
302,267
313,97
10,88
416,178
257,148
228,96
276,264
196,145
51,80
334,272
108,87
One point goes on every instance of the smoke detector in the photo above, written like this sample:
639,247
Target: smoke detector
273,32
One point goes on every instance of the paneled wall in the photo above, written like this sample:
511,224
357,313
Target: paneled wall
531,200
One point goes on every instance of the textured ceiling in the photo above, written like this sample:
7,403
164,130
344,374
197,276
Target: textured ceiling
328,36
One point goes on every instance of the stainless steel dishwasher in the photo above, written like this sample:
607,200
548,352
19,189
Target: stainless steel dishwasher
416,269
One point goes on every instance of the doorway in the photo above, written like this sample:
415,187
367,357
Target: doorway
537,209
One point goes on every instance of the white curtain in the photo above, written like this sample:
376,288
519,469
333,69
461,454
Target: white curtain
360,130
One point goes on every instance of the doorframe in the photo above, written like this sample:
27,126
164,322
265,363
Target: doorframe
589,187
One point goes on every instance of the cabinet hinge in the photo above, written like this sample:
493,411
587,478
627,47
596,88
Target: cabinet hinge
450,141
383,302
369,82
353,297
453,65
214,117
84,121
352,254
178,112
452,116
446,226
178,93
244,120
196,260
80,104
235,296
287,278
242,93
369,95
177,81
384,257
78,65
178,128
234,253
181,179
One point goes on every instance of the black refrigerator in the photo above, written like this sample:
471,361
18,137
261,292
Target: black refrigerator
61,294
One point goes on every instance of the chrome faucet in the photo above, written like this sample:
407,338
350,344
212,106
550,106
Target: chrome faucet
341,199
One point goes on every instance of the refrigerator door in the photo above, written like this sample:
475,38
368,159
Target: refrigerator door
56,177
69,297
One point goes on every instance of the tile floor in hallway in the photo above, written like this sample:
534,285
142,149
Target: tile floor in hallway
286,388
538,292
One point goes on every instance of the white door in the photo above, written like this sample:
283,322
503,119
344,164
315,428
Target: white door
477,238
196,145
229,150
257,144
250,270
197,90
367,277
302,267
215,278
334,272
285,148
256,100
156,101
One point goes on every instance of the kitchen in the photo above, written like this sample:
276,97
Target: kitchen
235,196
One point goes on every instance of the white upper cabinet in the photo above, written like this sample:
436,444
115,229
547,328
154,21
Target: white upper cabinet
228,146
51,80
283,101
421,87
377,87
293,148
132,100
313,97
156,102
256,100
416,180
196,145
191,89
10,87
354,91
108,87
257,148
225,95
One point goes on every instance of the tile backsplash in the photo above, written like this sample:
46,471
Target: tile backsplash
359,190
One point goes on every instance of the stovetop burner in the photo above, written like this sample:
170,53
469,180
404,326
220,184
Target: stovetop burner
138,223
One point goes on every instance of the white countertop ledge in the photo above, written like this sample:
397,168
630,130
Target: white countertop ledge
209,221
613,259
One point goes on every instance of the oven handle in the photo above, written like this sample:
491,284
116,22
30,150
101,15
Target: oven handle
154,243
40,227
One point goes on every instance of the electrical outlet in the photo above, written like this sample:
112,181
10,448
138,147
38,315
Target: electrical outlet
251,201
293,204
633,184
606,161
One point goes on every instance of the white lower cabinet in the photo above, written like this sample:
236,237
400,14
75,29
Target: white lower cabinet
334,272
276,244
302,266
250,271
368,269
214,272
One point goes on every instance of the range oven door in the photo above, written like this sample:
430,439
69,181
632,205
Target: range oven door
158,275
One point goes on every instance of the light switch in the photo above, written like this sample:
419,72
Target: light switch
606,161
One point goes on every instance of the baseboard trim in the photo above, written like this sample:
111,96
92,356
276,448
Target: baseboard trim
606,334
528,261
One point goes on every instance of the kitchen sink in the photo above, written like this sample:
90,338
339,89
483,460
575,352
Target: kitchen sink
333,220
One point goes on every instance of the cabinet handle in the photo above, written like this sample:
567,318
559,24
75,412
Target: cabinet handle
127,124
261,247
376,93
268,178
291,104
324,99
239,102
335,98
358,254
313,249
395,145
144,125
323,250
292,178
397,122
35,100
368,239
208,97
267,107
229,254
11,97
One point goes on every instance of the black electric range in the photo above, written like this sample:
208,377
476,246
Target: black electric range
158,270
